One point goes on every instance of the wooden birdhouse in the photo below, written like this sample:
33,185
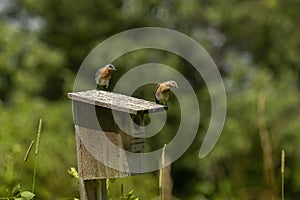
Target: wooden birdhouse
106,125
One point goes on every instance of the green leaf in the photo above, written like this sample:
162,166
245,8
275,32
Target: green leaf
26,195
73,172
130,192
16,190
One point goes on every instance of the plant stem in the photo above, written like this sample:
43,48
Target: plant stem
266,146
34,176
282,174
161,174
36,154
28,151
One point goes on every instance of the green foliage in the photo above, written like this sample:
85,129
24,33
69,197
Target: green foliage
18,134
17,194
16,191
73,172
26,196
254,43
130,187
129,196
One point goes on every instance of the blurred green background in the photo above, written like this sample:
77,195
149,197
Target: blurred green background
255,44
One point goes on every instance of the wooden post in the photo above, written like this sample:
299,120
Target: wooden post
95,113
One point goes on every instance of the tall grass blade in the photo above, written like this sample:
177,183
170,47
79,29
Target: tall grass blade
38,137
36,153
28,151
282,173
161,174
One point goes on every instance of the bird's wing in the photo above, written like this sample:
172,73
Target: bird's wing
156,88
97,73
165,89
105,73
155,92
161,88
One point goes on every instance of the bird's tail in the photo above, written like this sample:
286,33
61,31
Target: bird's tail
100,87
156,100
165,105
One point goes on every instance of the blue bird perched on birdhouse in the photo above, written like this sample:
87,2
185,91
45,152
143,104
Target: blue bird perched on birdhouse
162,91
103,76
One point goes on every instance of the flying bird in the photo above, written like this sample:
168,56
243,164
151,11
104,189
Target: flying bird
162,92
103,76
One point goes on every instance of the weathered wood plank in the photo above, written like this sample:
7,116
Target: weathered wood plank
94,124
116,101
94,117
89,167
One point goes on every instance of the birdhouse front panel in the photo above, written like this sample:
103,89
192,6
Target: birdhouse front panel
103,119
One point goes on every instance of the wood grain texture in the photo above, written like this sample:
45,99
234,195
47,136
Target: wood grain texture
91,147
106,125
116,101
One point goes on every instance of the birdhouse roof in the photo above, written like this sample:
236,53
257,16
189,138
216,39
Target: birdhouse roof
116,101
